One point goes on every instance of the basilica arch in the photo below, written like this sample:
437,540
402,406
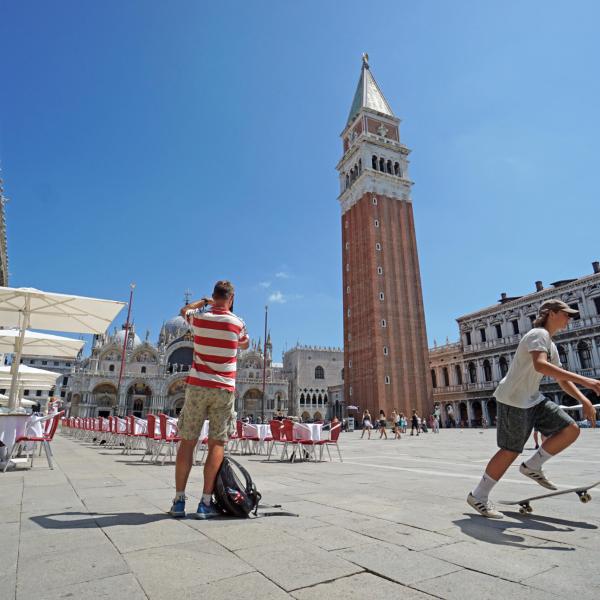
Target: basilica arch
138,398
104,396
251,402
181,357
176,396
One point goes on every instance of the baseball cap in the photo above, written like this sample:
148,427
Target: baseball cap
556,305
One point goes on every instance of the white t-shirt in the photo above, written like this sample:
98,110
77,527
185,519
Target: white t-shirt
521,385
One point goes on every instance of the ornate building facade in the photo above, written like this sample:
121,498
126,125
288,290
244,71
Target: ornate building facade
154,376
385,341
465,374
312,371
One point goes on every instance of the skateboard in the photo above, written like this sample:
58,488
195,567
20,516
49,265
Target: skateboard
581,491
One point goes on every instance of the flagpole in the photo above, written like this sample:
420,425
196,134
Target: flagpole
131,288
264,368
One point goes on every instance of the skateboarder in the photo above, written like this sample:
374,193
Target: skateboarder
521,406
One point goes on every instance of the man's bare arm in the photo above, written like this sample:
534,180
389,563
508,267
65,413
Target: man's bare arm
194,305
541,365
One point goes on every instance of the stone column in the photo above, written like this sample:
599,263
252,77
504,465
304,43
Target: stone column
572,356
484,411
470,414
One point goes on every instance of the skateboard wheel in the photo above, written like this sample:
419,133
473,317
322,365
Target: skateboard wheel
529,509
585,498
523,510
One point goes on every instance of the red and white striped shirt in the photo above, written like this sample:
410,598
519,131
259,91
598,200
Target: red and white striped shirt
217,333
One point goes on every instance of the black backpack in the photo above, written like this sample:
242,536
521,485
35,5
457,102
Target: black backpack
235,492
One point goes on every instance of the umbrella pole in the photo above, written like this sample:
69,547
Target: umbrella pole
14,369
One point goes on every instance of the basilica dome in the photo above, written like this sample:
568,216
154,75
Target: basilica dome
119,339
176,326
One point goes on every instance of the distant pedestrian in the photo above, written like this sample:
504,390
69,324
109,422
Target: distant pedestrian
436,424
367,424
382,425
414,423
396,424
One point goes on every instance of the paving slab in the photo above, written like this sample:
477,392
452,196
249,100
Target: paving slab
169,571
296,565
50,573
119,587
397,562
250,586
470,585
358,587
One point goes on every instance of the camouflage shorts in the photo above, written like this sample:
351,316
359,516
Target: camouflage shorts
202,403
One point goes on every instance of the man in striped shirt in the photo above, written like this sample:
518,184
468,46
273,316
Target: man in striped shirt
210,391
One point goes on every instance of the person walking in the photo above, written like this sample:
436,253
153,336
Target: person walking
395,424
209,393
382,425
521,406
435,424
414,423
367,425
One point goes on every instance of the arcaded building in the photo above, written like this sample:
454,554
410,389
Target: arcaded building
465,374
385,341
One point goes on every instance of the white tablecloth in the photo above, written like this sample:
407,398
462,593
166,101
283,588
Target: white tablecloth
308,431
14,426
256,430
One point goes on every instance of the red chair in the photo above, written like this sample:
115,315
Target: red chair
170,440
288,436
45,439
334,434
152,438
243,439
276,436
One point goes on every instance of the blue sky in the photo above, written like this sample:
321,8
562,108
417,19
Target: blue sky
176,143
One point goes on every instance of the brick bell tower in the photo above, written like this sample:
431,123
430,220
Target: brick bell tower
385,340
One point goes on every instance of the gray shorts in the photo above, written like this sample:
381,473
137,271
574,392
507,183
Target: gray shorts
515,424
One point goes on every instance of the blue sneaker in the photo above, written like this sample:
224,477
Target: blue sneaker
178,508
206,512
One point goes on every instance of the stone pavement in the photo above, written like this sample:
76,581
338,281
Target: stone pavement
390,520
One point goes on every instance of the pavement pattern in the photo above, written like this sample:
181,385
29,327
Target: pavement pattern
390,520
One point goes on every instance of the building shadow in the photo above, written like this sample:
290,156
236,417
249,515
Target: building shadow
497,531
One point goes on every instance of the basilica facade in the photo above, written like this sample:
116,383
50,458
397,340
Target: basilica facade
154,375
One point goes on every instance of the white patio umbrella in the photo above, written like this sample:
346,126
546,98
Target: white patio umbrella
27,307
40,344
30,376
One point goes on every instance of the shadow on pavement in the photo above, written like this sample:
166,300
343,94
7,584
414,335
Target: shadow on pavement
495,531
93,520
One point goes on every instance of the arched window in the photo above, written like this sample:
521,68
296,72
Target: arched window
374,162
342,373
359,166
487,370
472,373
585,357
314,399
389,167
301,398
319,372
143,370
397,169
347,181
111,367
503,366
446,377
382,165
562,355
458,374
433,378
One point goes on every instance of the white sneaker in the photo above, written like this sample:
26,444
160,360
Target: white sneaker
537,476
487,509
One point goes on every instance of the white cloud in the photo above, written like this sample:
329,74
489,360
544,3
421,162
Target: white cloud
277,298
265,284
282,275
